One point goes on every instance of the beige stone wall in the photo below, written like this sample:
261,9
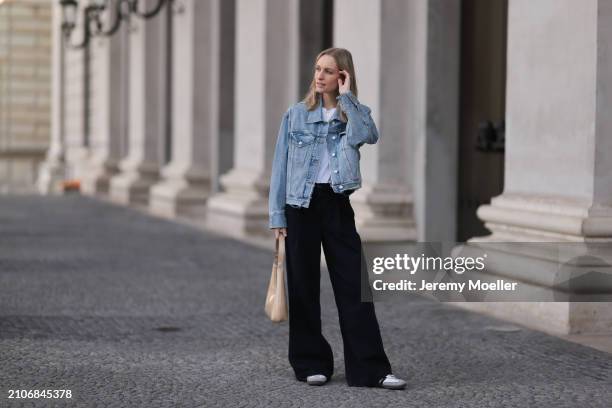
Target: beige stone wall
25,64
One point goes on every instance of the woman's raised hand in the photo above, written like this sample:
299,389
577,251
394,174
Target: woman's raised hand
344,85
278,231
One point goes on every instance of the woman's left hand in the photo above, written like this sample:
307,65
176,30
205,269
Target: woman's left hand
344,86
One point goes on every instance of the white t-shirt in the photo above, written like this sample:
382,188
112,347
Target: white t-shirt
324,175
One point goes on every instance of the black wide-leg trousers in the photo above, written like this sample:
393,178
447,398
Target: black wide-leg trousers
330,220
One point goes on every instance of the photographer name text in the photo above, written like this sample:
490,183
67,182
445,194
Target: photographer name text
409,285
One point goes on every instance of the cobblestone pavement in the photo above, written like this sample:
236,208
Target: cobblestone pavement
129,310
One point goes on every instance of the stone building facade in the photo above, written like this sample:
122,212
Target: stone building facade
25,78
180,114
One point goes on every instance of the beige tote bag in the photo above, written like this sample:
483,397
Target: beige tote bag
276,299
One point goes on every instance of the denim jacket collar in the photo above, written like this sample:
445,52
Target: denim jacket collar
316,115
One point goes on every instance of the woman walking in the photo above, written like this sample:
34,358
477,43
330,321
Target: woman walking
315,169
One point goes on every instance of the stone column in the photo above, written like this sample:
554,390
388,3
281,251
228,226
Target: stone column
406,61
74,107
558,174
148,110
186,181
267,53
108,104
52,170
223,143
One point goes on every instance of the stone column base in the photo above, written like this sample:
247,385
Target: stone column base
242,209
96,179
174,198
523,218
239,215
551,317
383,213
545,276
50,177
133,185
181,193
548,245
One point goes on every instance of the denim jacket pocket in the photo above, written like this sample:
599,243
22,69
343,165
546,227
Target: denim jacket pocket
301,138
300,144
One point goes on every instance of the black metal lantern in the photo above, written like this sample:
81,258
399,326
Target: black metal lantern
69,21
69,10
93,24
134,9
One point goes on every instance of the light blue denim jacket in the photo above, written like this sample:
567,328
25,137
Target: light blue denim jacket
301,139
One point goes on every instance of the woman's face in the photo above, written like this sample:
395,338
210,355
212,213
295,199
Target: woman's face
326,75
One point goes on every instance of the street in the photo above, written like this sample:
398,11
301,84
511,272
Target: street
129,310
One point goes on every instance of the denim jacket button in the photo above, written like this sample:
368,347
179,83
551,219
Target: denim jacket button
334,154
336,171
333,137
340,187
299,142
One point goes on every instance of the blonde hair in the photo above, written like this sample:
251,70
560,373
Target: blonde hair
344,61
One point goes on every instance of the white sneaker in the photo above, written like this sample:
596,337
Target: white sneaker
316,379
392,382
